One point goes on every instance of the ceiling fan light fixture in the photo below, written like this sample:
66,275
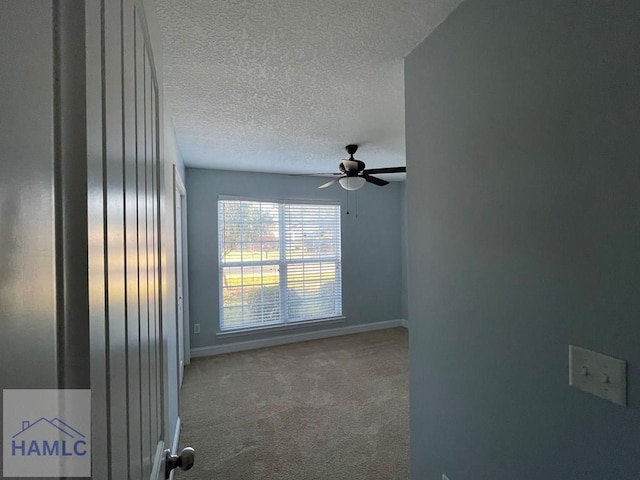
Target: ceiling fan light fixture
352,183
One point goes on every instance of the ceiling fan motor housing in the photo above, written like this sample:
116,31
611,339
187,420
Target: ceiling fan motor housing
351,167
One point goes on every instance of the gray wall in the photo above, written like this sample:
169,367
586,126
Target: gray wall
523,196
174,155
370,246
404,252
28,310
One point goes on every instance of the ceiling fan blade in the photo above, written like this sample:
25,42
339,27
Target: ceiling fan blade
374,180
386,170
313,174
328,184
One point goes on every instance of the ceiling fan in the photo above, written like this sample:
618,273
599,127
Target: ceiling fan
353,174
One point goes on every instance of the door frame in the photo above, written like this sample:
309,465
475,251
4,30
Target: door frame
180,214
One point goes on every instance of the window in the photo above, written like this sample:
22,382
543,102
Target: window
279,262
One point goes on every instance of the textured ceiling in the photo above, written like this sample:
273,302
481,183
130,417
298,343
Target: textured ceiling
283,85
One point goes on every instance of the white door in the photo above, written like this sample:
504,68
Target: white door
84,231
128,310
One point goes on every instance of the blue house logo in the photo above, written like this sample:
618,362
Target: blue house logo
48,438
46,433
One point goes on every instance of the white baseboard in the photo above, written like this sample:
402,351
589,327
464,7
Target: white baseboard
176,437
405,323
294,338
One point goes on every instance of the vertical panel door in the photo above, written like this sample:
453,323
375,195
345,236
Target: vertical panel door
125,251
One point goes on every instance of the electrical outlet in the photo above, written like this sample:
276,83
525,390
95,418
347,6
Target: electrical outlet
196,328
598,374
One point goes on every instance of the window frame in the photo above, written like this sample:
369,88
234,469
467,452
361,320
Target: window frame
282,263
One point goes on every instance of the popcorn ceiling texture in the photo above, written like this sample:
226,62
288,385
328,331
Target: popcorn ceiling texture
282,86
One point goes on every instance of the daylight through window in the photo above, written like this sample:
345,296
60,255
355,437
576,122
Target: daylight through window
279,262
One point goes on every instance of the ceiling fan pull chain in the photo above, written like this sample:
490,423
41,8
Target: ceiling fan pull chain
347,202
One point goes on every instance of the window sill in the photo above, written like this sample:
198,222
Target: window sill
278,327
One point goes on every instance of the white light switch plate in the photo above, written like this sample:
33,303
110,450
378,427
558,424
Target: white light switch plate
601,375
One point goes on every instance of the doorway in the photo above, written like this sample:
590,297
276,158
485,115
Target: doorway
182,281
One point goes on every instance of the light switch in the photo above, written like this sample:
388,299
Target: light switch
601,375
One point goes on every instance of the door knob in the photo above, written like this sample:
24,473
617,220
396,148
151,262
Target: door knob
184,460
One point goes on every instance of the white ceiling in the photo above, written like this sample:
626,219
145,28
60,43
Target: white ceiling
283,85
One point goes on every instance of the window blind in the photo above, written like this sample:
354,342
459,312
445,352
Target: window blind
280,262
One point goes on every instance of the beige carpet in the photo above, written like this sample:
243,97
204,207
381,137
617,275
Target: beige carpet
331,409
